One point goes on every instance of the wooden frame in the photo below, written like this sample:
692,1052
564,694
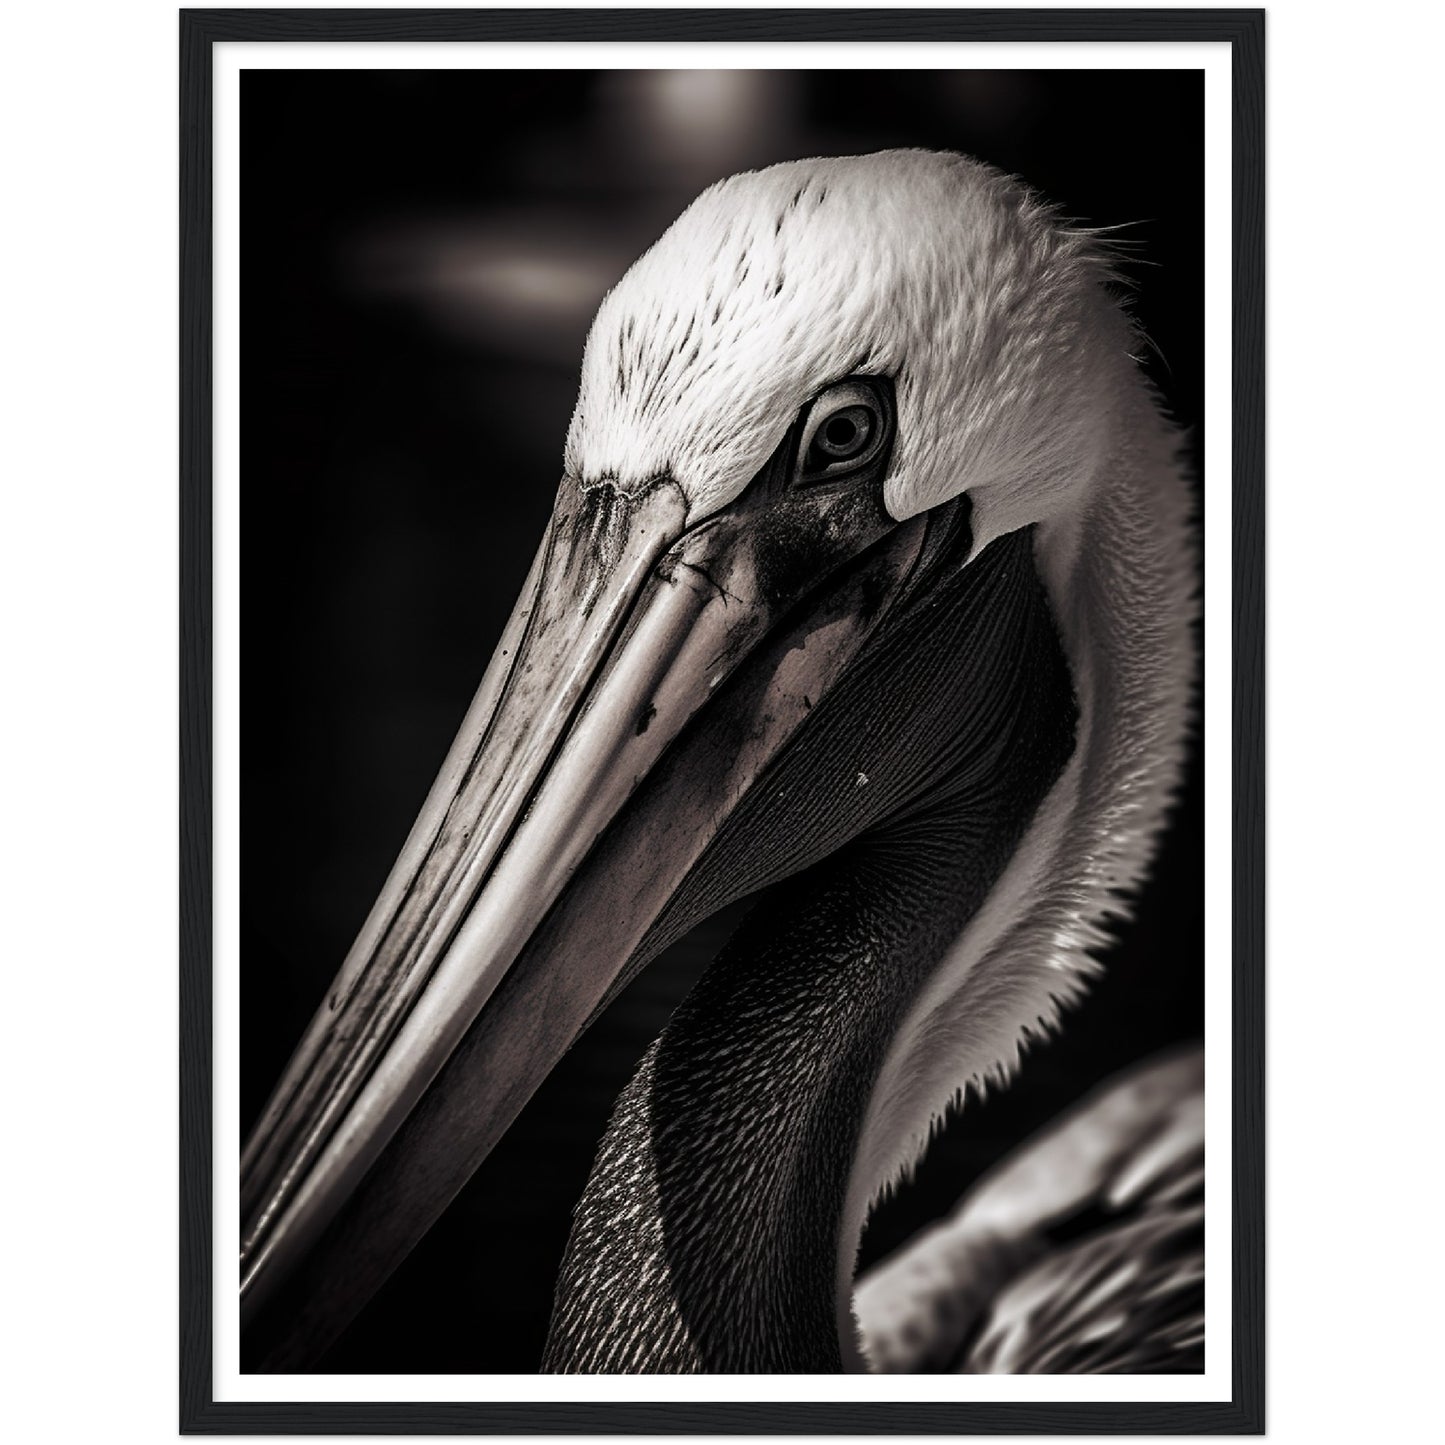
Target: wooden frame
199,1411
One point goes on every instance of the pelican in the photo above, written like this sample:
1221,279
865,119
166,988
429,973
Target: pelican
868,592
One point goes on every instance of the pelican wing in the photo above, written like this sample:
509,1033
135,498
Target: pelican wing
1083,1253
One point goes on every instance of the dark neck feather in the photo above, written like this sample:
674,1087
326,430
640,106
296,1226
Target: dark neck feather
707,1239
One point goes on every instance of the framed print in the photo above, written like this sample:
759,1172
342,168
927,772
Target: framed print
722,622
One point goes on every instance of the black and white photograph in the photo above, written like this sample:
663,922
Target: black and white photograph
796,964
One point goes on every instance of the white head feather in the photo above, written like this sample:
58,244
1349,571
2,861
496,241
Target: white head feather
930,268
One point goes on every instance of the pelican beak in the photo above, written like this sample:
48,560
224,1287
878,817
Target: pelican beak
650,671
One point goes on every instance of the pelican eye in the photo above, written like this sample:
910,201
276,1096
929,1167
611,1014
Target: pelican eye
844,430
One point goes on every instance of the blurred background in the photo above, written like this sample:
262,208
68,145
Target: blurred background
422,252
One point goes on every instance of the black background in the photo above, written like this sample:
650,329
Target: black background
421,255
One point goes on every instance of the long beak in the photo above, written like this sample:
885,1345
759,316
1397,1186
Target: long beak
649,673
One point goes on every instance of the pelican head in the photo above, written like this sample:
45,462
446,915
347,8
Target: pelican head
866,584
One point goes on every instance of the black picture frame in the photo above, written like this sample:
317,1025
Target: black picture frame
200,1412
